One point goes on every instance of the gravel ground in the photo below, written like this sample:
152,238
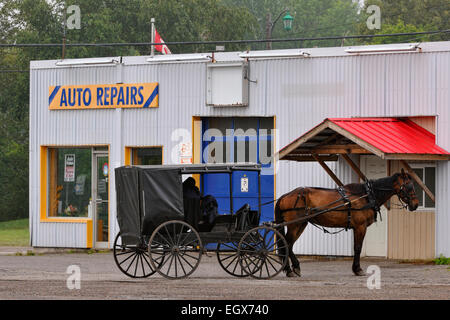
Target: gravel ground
44,277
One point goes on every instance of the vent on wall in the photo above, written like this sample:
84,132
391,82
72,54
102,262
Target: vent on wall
227,84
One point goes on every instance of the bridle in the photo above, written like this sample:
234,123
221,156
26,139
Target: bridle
405,194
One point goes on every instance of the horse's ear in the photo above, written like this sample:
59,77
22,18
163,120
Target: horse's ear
403,173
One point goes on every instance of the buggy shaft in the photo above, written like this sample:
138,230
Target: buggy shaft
308,217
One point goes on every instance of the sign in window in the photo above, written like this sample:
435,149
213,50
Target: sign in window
69,182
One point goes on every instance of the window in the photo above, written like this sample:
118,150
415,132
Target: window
146,156
427,173
238,140
69,177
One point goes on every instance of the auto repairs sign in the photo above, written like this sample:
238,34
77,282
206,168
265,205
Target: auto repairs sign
106,96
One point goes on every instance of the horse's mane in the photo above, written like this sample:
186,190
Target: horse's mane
355,188
381,184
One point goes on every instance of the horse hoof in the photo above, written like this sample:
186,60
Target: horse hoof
359,273
290,274
298,272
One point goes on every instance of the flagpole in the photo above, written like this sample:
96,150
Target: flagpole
152,53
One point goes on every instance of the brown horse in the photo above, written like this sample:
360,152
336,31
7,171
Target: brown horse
354,206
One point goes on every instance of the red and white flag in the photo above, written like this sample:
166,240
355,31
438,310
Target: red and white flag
162,47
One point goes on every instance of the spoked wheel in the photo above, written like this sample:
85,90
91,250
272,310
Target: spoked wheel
228,257
263,252
175,249
133,260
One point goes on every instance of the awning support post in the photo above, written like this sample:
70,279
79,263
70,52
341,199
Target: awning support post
354,167
328,170
361,175
418,180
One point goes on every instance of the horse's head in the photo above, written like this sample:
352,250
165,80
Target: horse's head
404,188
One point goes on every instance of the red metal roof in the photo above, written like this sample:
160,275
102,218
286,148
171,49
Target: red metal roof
392,135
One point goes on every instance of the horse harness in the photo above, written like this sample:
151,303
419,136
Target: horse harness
371,203
372,200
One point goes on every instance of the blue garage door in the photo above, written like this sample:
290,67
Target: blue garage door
239,140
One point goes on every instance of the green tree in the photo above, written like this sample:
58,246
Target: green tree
404,16
13,167
312,18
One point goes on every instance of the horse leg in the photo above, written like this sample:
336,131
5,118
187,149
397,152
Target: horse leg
358,237
292,236
287,268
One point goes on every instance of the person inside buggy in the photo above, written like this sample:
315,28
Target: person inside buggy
200,212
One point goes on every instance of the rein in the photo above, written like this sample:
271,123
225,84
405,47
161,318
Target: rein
370,194
321,211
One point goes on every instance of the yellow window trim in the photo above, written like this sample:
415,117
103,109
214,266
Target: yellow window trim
196,144
129,149
43,192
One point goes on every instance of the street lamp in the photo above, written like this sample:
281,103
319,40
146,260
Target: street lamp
287,23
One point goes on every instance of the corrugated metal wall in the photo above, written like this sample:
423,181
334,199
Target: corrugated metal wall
442,89
410,234
299,92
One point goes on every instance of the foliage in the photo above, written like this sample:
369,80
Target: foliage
403,16
312,19
13,166
442,260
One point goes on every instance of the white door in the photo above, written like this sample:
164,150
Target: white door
375,242
100,193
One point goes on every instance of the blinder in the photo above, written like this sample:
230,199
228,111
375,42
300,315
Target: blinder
404,194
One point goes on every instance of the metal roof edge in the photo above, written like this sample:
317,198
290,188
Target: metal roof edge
426,47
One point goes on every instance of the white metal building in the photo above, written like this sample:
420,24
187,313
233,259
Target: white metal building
89,116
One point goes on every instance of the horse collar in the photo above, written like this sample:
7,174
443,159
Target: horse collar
344,196
372,199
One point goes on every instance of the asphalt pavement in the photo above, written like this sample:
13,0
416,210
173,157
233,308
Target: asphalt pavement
27,273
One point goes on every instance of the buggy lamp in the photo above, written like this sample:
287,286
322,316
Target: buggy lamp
80,62
385,48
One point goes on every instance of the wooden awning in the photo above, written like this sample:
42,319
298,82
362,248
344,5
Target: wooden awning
388,138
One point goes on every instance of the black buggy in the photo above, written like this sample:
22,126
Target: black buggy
164,231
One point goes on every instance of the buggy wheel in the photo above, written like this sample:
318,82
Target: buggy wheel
229,259
263,251
133,260
175,249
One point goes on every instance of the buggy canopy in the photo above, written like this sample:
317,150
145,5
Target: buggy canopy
150,195
146,197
